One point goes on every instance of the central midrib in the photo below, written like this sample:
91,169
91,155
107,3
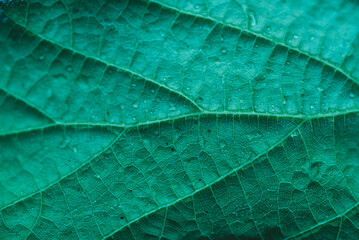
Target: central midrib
184,116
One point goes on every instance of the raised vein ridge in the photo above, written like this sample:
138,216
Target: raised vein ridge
321,60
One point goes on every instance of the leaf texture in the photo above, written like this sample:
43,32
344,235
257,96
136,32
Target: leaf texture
179,119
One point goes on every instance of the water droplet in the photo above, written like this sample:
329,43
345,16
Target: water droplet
294,134
65,142
199,100
69,69
172,108
312,38
312,107
351,95
224,50
284,102
156,132
295,36
135,105
252,19
122,106
320,89
41,57
75,150
152,91
268,29
222,144
196,7
133,85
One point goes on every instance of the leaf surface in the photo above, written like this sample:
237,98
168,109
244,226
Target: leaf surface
179,119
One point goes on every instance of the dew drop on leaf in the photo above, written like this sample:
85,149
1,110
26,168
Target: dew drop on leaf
320,89
199,100
294,134
252,19
65,142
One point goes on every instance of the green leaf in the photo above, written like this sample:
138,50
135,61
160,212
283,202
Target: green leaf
179,119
